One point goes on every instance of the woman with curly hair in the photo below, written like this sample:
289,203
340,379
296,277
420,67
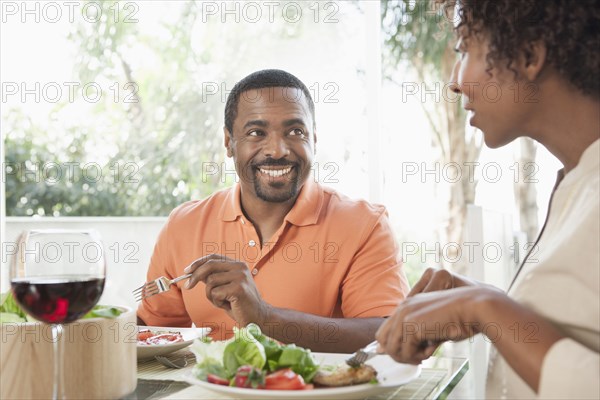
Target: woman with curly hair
543,57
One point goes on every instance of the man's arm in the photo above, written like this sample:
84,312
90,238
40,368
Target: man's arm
334,335
229,285
373,285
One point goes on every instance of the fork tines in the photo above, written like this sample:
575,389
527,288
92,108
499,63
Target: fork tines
362,355
357,359
146,290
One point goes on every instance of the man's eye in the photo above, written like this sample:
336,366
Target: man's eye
297,132
255,133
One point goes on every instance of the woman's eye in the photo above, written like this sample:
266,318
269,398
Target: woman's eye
460,53
461,48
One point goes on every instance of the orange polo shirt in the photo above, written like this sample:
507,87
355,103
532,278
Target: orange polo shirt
332,256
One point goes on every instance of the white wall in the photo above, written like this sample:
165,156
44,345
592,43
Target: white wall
128,242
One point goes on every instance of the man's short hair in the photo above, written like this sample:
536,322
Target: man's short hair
266,78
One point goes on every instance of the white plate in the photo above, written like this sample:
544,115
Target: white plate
389,373
145,352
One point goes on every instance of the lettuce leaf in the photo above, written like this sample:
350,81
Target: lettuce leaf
10,317
245,349
210,358
9,305
103,312
210,366
299,360
250,347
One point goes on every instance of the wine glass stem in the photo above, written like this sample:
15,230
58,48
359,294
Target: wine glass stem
58,348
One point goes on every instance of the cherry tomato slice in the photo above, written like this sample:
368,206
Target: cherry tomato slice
165,338
217,380
284,379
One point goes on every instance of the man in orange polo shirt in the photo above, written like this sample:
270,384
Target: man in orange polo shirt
305,263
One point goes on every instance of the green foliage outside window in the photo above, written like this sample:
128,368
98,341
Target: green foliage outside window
155,135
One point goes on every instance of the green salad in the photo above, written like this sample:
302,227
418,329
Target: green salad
10,311
252,359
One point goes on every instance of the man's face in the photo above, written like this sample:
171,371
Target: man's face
272,143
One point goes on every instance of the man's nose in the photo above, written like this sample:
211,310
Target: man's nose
276,147
453,84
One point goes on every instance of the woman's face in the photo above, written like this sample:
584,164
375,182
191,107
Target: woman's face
497,102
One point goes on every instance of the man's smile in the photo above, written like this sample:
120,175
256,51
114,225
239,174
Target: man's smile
275,172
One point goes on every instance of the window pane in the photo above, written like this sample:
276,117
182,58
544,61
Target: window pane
117,108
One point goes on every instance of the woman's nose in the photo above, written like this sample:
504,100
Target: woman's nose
453,84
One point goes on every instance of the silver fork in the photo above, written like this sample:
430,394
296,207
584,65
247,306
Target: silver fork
156,286
363,355
178,362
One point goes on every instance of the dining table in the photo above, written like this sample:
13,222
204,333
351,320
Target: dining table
439,376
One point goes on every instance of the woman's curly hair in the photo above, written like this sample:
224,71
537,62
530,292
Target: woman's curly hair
570,29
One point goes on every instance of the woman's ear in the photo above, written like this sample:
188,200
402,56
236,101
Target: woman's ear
534,60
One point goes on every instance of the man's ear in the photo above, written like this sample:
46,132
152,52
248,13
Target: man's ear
315,140
227,142
534,60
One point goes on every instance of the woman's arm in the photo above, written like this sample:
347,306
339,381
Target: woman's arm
524,337
426,320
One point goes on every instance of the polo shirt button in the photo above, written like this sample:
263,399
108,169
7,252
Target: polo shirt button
252,243
254,271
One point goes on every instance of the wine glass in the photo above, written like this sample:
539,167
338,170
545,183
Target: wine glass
57,276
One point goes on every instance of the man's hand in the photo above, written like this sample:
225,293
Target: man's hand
422,322
229,285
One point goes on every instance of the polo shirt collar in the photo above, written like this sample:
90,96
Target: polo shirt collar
308,205
305,211
232,206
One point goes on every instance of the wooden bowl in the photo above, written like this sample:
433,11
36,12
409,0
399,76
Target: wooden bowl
99,358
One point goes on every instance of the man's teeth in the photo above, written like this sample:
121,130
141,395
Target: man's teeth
275,172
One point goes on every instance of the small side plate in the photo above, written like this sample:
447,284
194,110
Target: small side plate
145,352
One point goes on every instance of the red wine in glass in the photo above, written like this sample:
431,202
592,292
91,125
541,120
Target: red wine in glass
57,276
57,300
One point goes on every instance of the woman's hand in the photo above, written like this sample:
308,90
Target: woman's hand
422,322
434,279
